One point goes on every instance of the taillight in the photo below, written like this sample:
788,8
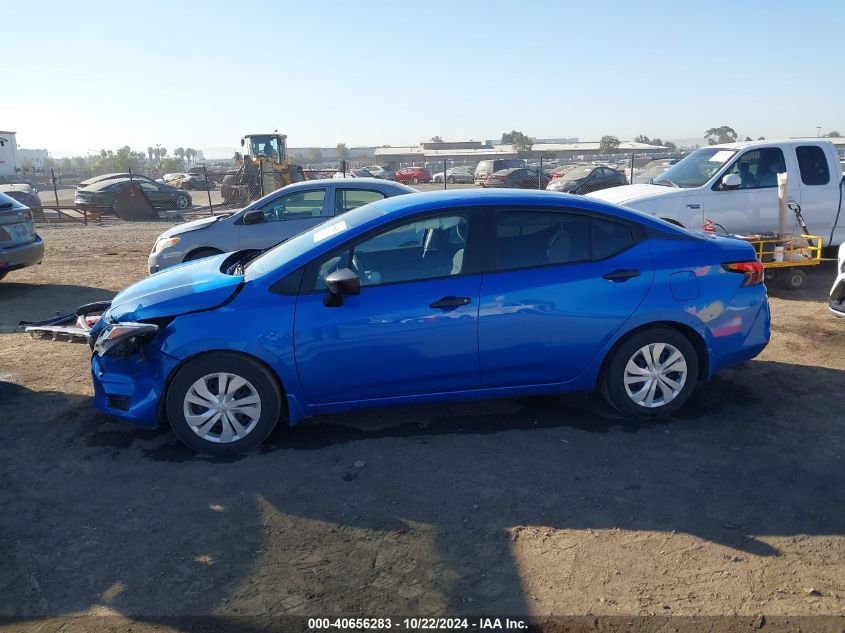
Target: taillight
753,271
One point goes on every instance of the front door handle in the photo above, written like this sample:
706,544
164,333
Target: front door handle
449,302
621,274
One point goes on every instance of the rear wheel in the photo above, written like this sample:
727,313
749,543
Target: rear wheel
223,403
451,180
652,374
201,253
415,180
794,279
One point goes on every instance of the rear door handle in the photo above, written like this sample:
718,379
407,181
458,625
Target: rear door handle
621,274
449,302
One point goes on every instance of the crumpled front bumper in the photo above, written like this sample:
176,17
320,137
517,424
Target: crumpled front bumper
131,387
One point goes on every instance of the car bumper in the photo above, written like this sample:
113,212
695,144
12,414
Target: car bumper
131,388
15,257
837,298
729,351
164,259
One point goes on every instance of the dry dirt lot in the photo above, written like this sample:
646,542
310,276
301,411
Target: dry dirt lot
530,506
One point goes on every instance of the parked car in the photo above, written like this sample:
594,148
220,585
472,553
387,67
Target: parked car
20,245
518,178
23,194
413,175
736,185
459,174
114,176
408,300
189,181
651,170
587,178
353,173
268,221
837,293
104,194
487,167
16,179
383,173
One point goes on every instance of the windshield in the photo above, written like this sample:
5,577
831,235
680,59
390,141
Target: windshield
696,169
302,243
578,172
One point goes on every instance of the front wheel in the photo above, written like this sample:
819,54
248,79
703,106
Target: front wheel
451,180
794,279
182,202
223,403
415,180
652,374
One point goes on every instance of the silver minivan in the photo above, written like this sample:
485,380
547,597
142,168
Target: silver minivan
20,245
270,220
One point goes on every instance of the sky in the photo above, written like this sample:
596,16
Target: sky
87,75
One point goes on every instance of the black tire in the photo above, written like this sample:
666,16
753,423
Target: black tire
451,180
612,381
415,180
182,202
201,253
794,279
257,375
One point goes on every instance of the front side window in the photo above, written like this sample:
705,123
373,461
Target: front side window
348,199
812,163
759,168
295,206
525,239
427,248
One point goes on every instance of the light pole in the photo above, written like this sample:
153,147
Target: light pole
818,131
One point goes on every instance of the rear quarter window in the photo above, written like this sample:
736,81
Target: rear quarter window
812,163
610,238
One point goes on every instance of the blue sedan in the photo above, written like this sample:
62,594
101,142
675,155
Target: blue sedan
431,297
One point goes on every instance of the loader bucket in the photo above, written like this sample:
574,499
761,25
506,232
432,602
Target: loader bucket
132,204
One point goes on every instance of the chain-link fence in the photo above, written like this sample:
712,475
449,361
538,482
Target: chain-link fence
216,187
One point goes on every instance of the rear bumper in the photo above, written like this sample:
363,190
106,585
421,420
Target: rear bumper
15,257
131,388
728,353
836,302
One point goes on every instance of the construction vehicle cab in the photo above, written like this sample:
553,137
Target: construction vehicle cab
272,146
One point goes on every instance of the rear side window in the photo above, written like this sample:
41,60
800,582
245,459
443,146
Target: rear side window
813,165
610,238
347,199
525,239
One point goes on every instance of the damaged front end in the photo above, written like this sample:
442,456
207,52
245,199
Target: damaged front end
72,328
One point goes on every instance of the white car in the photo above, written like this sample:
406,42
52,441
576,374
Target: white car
837,293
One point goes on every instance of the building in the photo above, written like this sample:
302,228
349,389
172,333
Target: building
470,152
8,153
32,159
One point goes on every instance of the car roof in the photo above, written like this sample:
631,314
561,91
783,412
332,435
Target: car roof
16,187
347,183
108,183
401,206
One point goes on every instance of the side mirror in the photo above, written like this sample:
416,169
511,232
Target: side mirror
340,283
256,216
731,181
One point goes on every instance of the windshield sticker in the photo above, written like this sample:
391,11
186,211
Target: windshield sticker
334,229
722,156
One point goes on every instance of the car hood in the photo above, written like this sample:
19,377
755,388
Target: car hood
187,227
190,287
627,193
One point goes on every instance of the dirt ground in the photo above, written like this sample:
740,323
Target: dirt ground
530,506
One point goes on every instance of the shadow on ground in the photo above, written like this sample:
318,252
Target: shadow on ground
34,302
399,511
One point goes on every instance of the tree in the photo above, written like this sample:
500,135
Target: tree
508,137
436,139
747,138
150,152
179,152
833,134
718,135
342,151
522,144
190,152
172,164
762,138
608,144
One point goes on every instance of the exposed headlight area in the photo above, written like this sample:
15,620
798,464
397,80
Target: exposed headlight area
122,339
165,242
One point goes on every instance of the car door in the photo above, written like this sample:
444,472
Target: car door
560,284
753,207
155,194
285,215
412,329
819,193
348,198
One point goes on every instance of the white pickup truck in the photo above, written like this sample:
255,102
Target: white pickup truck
735,185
